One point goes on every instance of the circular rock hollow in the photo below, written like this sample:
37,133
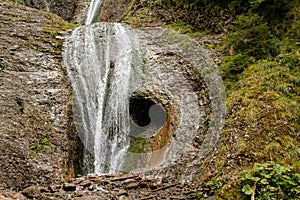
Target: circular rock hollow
145,112
150,121
152,128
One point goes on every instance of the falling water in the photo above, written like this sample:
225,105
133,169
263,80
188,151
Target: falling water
93,11
98,59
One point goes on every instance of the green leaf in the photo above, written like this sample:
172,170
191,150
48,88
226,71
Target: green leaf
247,189
252,178
258,166
264,181
279,169
286,177
291,182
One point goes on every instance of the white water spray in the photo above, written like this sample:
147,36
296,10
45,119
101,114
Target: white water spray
93,11
99,61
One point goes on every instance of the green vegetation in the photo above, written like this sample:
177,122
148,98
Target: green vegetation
185,28
135,153
270,181
138,145
43,143
53,29
138,21
261,72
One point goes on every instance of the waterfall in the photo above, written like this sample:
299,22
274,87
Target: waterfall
98,59
93,11
107,63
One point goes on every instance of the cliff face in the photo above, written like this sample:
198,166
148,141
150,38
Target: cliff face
113,11
38,142
35,128
65,9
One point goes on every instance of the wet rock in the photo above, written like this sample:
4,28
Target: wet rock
69,187
85,183
32,192
65,9
44,189
132,185
122,192
33,100
10,195
5,198
54,188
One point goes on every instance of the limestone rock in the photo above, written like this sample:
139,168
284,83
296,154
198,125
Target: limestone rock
32,192
65,9
34,98
69,187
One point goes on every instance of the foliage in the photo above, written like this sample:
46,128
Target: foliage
233,66
251,36
43,143
259,35
261,70
264,106
271,180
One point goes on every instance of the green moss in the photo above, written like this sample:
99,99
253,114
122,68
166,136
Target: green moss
138,21
186,28
137,145
126,14
43,143
135,154
181,27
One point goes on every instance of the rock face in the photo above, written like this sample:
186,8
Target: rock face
65,9
75,10
35,127
167,68
38,142
113,11
129,186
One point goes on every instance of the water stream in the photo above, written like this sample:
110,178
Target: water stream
93,11
98,59
109,63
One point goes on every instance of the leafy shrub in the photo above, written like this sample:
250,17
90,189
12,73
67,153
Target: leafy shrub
271,180
251,36
289,60
234,65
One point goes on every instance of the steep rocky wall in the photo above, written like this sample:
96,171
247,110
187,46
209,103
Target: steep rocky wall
35,128
65,9
75,10
113,11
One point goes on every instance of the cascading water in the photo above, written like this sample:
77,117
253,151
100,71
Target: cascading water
104,65
98,59
93,11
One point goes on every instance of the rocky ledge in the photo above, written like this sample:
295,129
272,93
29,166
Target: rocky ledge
130,186
39,150
36,134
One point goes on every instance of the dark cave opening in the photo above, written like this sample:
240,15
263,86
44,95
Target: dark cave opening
139,110
144,111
